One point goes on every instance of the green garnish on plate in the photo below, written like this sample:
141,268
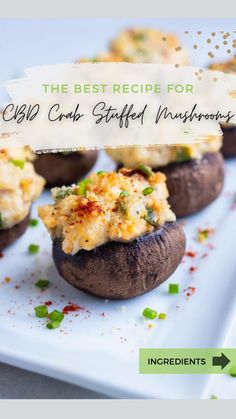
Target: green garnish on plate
42,283
149,313
173,288
41,311
33,248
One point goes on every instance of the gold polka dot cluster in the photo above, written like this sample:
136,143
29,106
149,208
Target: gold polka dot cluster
224,41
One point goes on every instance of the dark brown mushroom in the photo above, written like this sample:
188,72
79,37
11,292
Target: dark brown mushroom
194,184
9,235
229,140
119,270
64,169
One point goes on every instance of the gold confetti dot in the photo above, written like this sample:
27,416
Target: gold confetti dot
176,65
199,32
208,40
211,55
228,51
213,34
200,71
217,47
215,79
195,46
225,42
164,39
199,78
178,49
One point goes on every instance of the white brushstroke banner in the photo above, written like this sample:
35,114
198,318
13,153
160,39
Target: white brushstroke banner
99,105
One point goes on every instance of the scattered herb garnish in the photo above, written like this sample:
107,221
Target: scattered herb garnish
61,193
183,154
139,36
54,324
173,288
82,186
33,222
42,283
145,170
148,191
214,397
41,311
33,248
18,163
122,206
101,172
150,218
162,316
56,316
204,234
1,221
149,313
124,192
232,371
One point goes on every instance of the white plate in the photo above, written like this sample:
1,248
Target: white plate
98,347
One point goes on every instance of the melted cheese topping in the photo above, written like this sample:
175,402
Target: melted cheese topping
19,185
160,156
107,207
149,46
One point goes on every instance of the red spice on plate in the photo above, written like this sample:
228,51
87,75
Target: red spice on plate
71,307
190,291
192,269
191,254
48,303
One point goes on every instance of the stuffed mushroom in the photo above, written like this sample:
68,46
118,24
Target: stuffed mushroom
229,130
19,187
147,45
64,168
113,234
195,174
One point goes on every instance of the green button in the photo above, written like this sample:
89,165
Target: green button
186,361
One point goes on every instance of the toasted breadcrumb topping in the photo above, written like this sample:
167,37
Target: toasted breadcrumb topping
160,156
107,207
19,185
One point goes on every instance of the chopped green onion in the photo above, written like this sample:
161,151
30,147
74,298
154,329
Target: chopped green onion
149,217
214,397
101,172
173,288
149,313
139,36
42,283
148,191
56,316
145,170
61,193
82,187
162,316
18,163
41,311
1,221
33,222
122,206
33,249
124,192
232,371
183,154
54,324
